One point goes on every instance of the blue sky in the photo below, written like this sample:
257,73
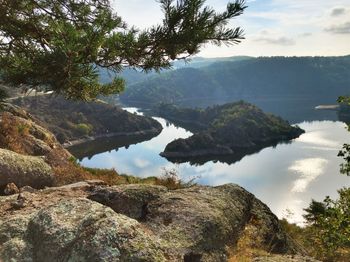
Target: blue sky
272,27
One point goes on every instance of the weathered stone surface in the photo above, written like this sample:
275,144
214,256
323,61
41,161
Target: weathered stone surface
205,220
287,258
197,222
130,200
82,230
76,230
27,189
192,224
13,247
24,170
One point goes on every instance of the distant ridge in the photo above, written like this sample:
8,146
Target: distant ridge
312,80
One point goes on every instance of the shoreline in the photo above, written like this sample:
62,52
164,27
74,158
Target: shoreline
80,141
327,107
212,153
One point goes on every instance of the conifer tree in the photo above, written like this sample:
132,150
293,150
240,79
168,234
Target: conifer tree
60,44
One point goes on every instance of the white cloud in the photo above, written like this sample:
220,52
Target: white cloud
337,11
339,29
283,41
299,26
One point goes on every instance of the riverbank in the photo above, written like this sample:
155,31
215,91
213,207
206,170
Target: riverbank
149,132
76,122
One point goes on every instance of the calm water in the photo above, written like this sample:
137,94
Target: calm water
285,177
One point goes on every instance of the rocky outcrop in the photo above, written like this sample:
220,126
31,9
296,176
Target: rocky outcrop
22,133
89,221
38,151
78,122
24,170
197,222
286,258
79,229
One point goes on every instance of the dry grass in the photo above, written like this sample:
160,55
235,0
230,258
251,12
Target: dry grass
249,244
171,179
12,133
73,172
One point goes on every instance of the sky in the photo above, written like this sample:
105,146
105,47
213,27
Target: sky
272,27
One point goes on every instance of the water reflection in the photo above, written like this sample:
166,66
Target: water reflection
106,144
287,176
308,169
228,159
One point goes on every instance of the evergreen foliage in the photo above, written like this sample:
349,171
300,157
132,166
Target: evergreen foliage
60,44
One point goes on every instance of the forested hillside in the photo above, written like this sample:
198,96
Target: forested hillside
314,80
132,76
71,120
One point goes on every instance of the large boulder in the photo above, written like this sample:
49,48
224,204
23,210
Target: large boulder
24,170
130,200
82,230
138,223
198,223
76,230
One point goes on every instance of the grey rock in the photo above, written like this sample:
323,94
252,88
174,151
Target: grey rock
77,230
24,170
286,258
28,189
130,200
139,223
197,222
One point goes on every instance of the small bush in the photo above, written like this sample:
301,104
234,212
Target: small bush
326,235
22,129
171,179
83,129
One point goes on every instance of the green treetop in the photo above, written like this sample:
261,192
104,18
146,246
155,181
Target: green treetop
60,44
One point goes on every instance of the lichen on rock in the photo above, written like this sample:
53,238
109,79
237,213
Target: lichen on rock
24,170
136,223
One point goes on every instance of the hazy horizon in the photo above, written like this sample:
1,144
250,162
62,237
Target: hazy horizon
238,55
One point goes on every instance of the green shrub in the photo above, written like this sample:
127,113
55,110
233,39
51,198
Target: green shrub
83,129
329,227
22,129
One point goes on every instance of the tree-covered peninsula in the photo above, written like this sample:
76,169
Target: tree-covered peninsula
229,129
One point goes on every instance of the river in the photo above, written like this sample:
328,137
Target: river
285,177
